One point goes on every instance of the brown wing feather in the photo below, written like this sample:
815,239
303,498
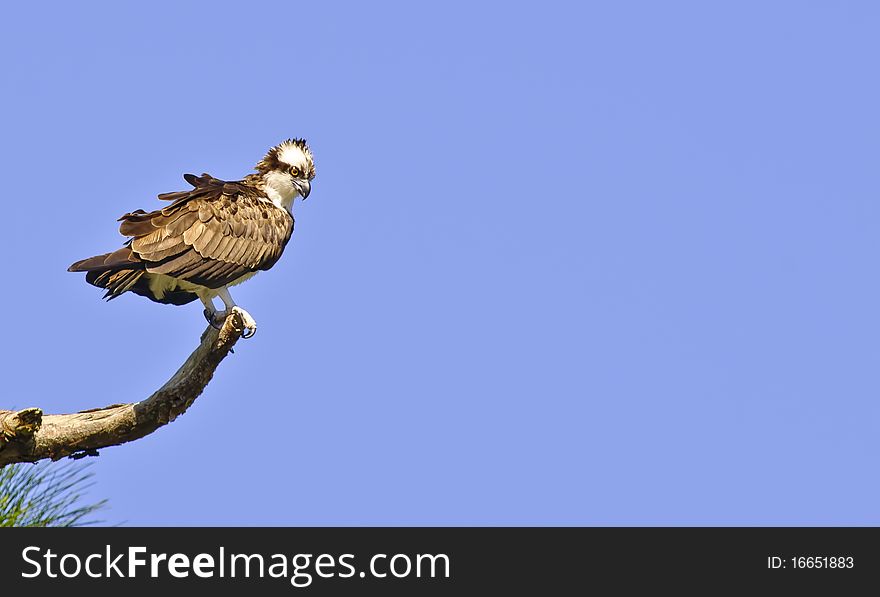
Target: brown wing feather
211,235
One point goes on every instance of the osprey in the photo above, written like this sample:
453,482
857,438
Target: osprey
216,235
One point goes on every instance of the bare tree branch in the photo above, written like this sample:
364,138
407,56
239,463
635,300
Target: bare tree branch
28,435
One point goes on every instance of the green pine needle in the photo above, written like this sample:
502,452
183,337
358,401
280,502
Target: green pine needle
45,495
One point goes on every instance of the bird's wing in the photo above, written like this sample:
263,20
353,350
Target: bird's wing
211,235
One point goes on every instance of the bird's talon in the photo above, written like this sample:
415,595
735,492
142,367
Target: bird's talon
212,319
216,319
248,324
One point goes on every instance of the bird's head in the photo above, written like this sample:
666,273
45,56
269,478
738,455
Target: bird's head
289,165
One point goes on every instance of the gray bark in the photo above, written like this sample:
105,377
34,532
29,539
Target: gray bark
28,435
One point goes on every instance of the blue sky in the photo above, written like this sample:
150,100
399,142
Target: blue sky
563,263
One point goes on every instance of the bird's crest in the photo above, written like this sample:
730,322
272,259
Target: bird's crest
293,152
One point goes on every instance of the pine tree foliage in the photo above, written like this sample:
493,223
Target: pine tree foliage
46,495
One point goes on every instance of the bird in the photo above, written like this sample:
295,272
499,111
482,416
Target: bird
216,235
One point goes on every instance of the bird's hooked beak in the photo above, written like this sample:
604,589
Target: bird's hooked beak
303,186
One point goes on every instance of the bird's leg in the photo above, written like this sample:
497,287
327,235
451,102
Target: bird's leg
211,313
250,326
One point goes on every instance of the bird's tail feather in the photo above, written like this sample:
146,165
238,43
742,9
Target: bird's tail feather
122,271
116,272
115,282
118,259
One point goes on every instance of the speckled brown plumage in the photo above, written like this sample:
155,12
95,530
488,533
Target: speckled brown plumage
210,236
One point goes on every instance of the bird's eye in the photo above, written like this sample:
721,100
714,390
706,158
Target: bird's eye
294,171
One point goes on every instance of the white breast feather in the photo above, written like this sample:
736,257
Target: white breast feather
280,189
